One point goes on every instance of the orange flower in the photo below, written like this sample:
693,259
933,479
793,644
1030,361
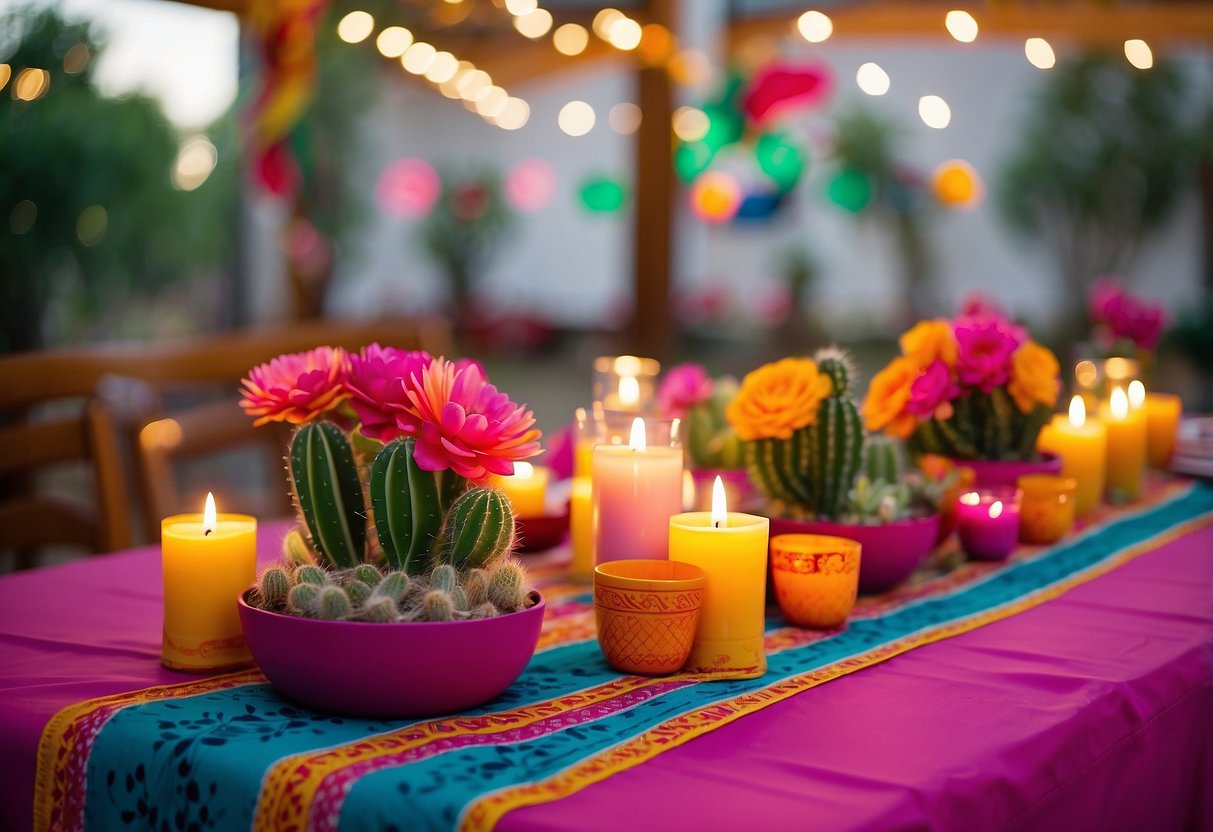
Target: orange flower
778,399
884,408
929,341
1034,376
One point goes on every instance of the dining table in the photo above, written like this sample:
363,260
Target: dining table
1069,687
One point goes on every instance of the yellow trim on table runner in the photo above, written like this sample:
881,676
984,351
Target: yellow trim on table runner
56,746
485,812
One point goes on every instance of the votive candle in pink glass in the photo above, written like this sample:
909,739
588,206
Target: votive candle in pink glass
988,522
637,488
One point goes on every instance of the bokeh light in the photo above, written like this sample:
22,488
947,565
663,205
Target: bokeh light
514,115
1138,53
570,39
850,190
355,27
530,185
1039,53
956,184
518,8
690,124
196,159
603,195
961,25
443,68
624,118
872,79
6,72
419,58
815,27
470,83
76,59
715,197
534,25
491,102
408,188
23,216
656,44
576,118
604,20
393,41
625,34
934,112
31,84
91,225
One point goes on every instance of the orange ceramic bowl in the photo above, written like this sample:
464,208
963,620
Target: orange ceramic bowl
816,578
647,612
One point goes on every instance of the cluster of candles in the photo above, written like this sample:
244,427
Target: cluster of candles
1101,456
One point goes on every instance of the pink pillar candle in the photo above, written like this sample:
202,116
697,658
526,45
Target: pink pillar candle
636,490
988,522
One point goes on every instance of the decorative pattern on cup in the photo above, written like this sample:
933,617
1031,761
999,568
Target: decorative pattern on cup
816,578
647,612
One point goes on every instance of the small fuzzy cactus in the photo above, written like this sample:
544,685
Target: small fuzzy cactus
437,606
311,575
302,598
333,604
328,492
394,585
460,599
444,577
273,587
379,609
476,586
485,610
505,589
368,574
358,592
478,529
295,549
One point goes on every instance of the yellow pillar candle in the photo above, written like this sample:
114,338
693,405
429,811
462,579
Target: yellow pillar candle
208,560
1082,444
732,549
1126,446
1163,412
581,526
526,489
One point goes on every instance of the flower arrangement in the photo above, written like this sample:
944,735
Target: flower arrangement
417,434
688,393
1124,323
973,388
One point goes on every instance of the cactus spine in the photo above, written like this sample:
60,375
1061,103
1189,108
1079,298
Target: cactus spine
301,600
505,588
333,604
329,493
273,587
311,575
437,606
479,528
408,504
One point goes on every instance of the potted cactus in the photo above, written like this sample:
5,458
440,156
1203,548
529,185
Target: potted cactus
399,549
805,451
712,447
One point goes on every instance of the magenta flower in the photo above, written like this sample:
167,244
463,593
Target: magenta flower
979,304
379,381
933,389
1120,316
464,424
1103,297
984,350
296,387
682,388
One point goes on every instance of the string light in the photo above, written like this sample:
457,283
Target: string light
570,39
91,225
443,68
604,20
961,25
934,112
31,84
1039,53
576,118
518,8
1138,53
625,34
6,72
196,159
815,27
393,41
534,25
75,60
624,118
690,124
419,57
872,79
355,27
514,115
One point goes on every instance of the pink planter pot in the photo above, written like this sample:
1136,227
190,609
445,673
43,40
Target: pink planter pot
890,552
391,670
1007,472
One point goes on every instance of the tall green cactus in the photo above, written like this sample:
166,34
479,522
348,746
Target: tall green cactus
409,505
478,529
883,459
329,493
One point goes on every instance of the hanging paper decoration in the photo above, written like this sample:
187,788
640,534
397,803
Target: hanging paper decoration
285,31
715,197
850,190
691,159
779,89
530,185
956,184
603,195
779,159
408,188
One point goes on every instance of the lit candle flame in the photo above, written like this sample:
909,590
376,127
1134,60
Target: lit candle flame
995,509
720,508
1078,412
629,391
637,441
524,470
1137,394
971,498
209,515
1119,404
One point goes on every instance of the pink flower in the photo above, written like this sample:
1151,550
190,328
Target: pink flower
979,304
1122,316
1102,298
682,388
379,381
464,424
296,387
984,350
933,389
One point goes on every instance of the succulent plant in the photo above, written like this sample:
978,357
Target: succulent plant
328,492
311,574
505,589
393,585
444,577
438,606
815,467
273,587
478,529
379,609
368,574
358,592
302,598
409,505
333,604
876,501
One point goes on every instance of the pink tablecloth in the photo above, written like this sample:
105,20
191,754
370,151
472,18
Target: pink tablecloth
1091,711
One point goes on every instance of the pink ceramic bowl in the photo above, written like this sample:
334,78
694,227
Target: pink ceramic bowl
391,670
891,551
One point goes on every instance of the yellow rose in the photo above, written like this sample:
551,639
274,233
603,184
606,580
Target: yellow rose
884,408
1034,376
928,341
778,399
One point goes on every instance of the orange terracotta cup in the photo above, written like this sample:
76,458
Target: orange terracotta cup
816,578
647,612
1046,512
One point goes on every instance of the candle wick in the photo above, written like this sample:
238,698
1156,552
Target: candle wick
207,532
716,524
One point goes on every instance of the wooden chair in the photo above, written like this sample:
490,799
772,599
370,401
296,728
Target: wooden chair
47,422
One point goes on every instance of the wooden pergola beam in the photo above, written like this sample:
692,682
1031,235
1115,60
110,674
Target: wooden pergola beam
1083,21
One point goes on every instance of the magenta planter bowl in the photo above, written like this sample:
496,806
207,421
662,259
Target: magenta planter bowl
391,670
989,473
889,552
